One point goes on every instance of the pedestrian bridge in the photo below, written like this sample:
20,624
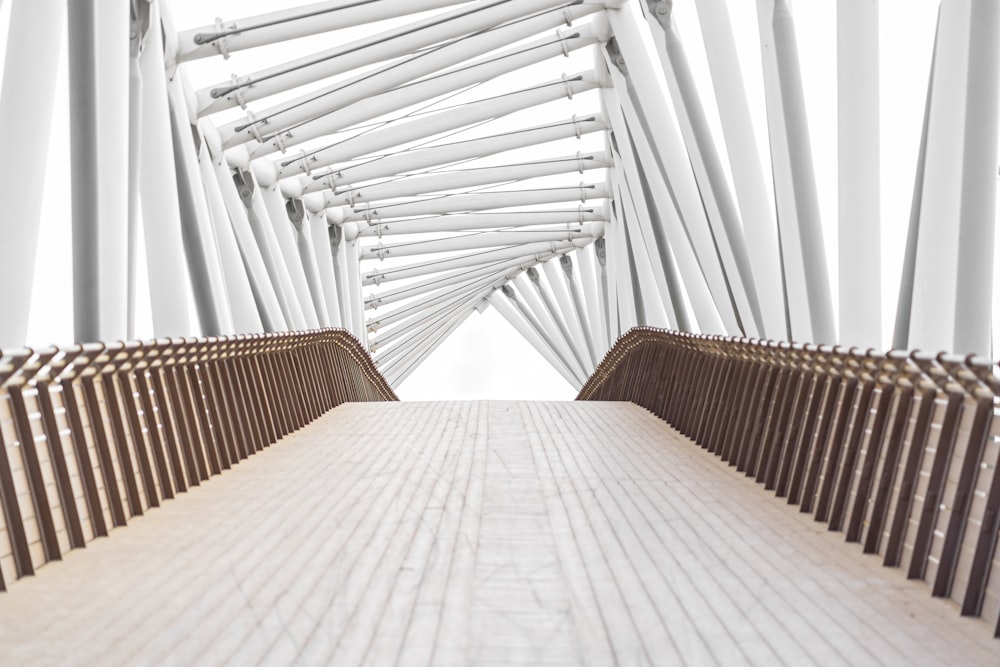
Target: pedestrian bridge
489,532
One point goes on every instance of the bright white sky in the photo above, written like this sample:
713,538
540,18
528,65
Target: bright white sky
485,358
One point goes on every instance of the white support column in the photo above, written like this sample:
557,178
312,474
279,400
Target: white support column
746,165
169,279
353,286
594,295
25,130
263,291
548,327
557,286
560,352
200,245
583,320
278,211
245,317
270,250
299,218
953,276
977,220
663,157
558,317
719,203
795,179
458,222
503,306
859,197
486,257
411,308
329,281
648,282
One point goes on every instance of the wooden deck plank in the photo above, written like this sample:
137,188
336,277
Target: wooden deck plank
485,533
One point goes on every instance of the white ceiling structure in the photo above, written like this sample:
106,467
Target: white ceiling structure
391,167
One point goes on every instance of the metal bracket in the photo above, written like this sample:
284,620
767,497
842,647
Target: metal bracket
296,212
615,56
601,251
508,292
534,277
567,265
661,10
245,186
139,26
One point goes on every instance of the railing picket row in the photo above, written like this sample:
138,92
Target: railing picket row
118,428
900,451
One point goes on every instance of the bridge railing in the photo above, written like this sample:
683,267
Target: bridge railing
95,434
898,450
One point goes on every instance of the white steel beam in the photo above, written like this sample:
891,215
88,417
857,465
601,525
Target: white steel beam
481,201
594,296
509,267
245,317
559,318
568,307
434,156
473,259
166,263
26,112
858,150
398,375
437,84
226,37
457,222
400,133
415,308
719,203
477,241
500,301
266,124
795,179
468,23
455,179
536,312
745,163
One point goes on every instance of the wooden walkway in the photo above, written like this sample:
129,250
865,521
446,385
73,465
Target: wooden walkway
480,533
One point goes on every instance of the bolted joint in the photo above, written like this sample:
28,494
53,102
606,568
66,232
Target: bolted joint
615,55
138,26
296,212
661,10
534,277
601,250
508,292
244,186
567,265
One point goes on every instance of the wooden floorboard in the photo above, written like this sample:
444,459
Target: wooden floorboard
486,533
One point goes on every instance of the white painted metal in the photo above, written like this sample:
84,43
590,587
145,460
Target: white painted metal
859,177
795,180
313,105
225,37
277,210
978,208
166,264
484,257
24,132
454,179
583,193
430,343
419,306
719,203
243,308
457,222
400,133
545,322
556,280
423,158
467,74
329,285
592,293
513,317
510,268
745,163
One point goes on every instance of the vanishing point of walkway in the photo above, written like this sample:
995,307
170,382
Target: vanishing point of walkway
480,533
